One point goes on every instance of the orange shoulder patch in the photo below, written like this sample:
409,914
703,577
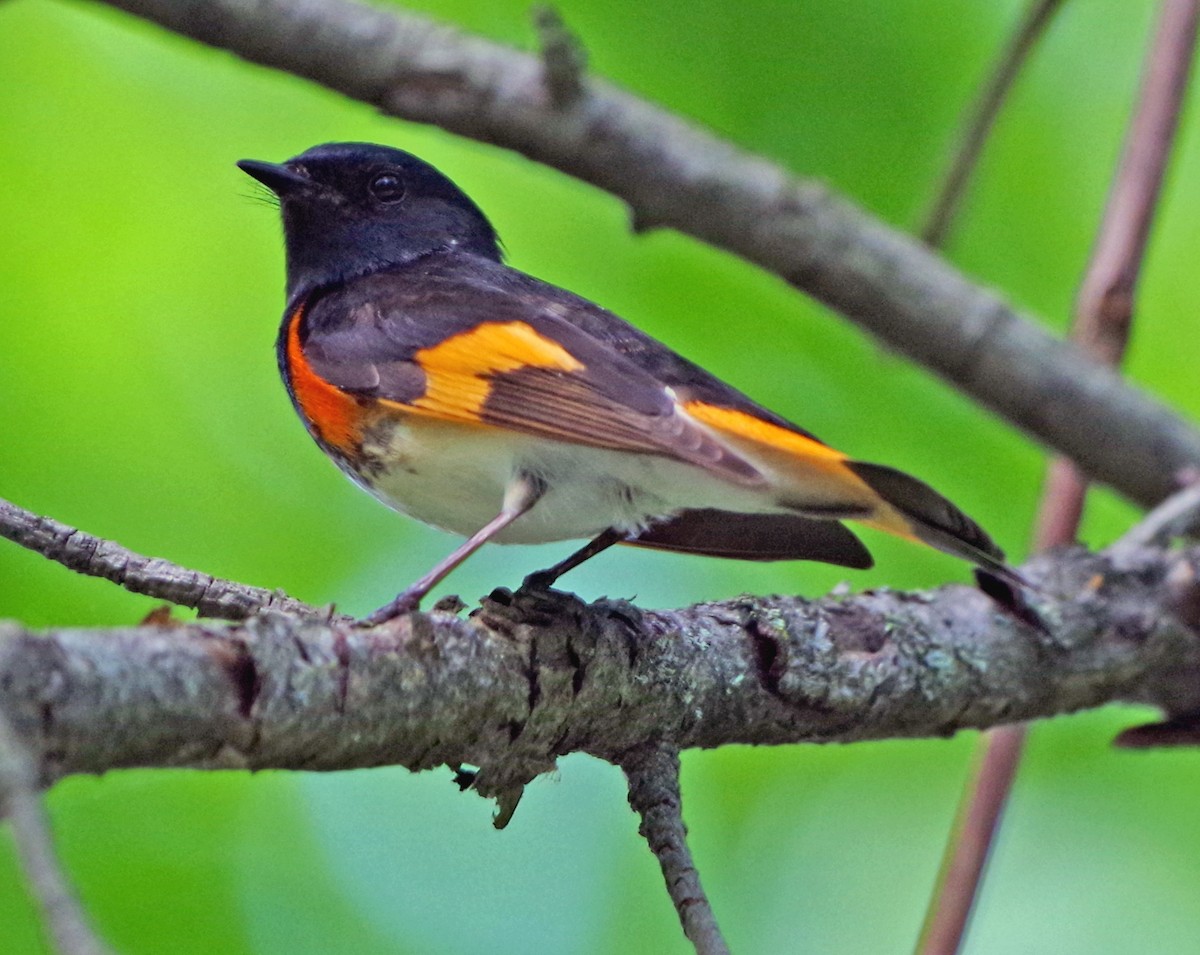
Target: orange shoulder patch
334,415
457,370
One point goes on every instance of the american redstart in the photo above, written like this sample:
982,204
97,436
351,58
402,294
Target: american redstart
491,404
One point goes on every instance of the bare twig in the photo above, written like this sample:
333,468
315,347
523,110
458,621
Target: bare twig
562,55
674,175
1103,315
1104,308
20,799
944,209
1177,516
152,576
987,789
653,774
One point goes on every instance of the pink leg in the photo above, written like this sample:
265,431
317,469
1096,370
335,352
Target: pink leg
522,494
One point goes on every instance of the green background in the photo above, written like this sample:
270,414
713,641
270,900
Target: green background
140,286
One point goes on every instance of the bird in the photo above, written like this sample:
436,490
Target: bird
486,402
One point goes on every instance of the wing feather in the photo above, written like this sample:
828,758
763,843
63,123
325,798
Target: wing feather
519,365
762,537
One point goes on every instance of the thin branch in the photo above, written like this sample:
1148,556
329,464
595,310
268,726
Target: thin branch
563,56
944,210
1104,306
151,576
1177,517
970,840
987,790
20,800
1103,317
653,774
673,174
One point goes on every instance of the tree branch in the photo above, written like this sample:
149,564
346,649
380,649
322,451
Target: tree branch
1104,306
998,756
534,676
151,576
563,57
944,210
653,774
673,174
20,801
1103,318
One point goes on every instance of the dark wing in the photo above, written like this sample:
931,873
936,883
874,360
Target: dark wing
689,381
448,339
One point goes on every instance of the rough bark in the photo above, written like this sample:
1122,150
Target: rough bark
532,677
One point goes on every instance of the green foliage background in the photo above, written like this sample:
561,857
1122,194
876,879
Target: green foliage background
138,304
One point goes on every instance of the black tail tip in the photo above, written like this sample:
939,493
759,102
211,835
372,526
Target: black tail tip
1008,593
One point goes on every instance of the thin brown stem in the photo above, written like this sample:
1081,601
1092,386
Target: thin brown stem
979,812
943,212
152,576
20,800
1104,306
1103,317
653,774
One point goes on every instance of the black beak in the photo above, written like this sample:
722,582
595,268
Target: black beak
279,179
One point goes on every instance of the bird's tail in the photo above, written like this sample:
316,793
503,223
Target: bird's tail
916,510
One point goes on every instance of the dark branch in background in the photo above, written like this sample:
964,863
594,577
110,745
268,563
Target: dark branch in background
673,174
653,774
1103,317
151,576
21,804
942,213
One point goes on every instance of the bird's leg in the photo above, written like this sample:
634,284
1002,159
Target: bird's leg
522,493
542,579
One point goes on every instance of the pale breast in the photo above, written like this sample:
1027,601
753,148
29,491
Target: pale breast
454,476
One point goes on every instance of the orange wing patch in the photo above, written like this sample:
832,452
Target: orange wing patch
333,414
817,469
457,370
748,427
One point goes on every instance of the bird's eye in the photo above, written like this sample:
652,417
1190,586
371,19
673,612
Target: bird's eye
387,188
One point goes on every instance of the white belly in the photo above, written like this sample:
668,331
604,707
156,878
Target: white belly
454,477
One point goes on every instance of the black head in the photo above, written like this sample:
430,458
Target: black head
352,209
